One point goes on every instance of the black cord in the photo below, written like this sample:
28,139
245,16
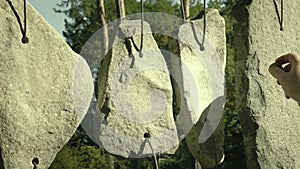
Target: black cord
202,48
204,27
23,30
142,28
280,18
281,25
24,38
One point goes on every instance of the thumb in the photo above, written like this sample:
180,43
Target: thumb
277,71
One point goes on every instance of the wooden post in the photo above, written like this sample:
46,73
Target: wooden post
186,4
121,8
102,22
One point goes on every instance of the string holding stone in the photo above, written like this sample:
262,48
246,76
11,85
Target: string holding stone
122,17
24,39
204,27
35,163
142,29
186,19
280,17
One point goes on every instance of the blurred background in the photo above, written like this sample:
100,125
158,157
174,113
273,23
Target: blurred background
77,20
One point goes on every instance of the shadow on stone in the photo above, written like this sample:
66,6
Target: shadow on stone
1,160
206,139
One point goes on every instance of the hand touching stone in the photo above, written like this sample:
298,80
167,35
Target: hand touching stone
286,70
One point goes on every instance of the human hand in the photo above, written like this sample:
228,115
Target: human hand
286,70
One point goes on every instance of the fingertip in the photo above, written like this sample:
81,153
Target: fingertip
276,71
288,58
271,67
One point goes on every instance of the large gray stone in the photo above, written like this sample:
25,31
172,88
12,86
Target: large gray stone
270,122
201,90
45,90
135,97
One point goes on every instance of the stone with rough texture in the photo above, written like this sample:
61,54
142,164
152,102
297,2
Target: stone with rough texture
45,90
206,138
209,153
270,122
135,97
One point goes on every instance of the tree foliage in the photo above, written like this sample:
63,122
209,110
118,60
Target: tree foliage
81,23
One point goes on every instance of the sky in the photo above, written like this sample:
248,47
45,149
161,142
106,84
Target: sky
45,8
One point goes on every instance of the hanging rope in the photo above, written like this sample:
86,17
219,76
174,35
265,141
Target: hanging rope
155,159
35,163
204,27
201,44
280,18
23,30
197,165
142,29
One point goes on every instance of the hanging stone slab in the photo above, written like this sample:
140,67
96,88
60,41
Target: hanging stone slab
210,152
203,105
269,121
135,98
45,91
